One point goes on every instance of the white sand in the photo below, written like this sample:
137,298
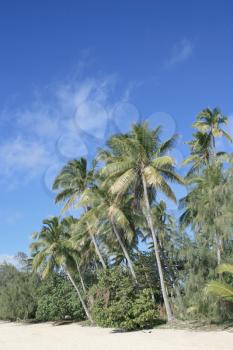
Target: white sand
73,337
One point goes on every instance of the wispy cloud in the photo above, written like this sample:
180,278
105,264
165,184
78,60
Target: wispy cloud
22,155
181,51
52,126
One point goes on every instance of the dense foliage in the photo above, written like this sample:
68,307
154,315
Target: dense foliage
17,294
115,301
57,300
24,296
125,260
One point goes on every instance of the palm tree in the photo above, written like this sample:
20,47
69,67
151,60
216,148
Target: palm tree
220,289
54,251
200,152
138,161
73,179
103,210
202,147
210,121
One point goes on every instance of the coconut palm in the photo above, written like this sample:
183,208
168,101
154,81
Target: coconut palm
139,161
220,289
73,179
200,152
210,121
104,210
54,251
202,147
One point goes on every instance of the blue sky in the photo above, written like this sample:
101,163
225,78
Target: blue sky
74,71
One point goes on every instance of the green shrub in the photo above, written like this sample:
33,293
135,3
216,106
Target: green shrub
17,294
116,302
57,299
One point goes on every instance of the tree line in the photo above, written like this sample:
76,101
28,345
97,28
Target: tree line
130,261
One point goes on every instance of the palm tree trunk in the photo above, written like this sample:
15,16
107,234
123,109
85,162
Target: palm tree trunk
171,277
79,295
170,316
126,254
218,255
177,291
81,278
213,152
218,248
96,247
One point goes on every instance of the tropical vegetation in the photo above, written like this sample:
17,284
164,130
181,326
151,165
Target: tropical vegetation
124,259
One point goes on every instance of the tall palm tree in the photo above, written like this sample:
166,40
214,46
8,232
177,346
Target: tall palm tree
53,251
73,179
210,121
139,161
104,209
202,147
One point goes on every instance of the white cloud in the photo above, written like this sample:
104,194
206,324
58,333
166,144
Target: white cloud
22,155
181,51
39,132
40,120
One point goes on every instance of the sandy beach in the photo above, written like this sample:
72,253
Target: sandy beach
69,337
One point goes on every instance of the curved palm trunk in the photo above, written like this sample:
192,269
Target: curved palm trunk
96,247
79,295
170,316
126,254
81,277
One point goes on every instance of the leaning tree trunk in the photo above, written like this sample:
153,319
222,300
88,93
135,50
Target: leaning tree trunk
79,295
171,276
80,277
96,247
126,254
170,316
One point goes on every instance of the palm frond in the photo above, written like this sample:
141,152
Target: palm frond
122,184
162,161
225,268
220,289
